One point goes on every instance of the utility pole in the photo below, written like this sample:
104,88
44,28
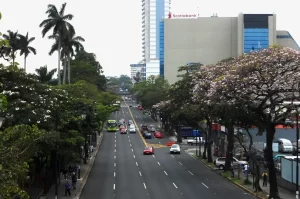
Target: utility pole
297,159
55,159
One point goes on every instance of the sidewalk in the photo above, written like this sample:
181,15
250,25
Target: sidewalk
282,192
84,173
285,194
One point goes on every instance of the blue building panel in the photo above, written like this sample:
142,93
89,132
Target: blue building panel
160,13
255,39
161,48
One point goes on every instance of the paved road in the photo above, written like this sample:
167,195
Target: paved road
121,170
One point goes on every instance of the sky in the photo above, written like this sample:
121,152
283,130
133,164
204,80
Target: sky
113,29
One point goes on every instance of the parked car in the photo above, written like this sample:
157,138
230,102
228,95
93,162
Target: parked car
158,135
148,135
196,140
220,162
149,150
175,148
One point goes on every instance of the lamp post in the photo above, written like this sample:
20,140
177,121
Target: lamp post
297,159
55,159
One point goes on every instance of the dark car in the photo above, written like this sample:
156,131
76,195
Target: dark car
148,136
144,133
144,127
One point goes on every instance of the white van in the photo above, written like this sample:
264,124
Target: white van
285,145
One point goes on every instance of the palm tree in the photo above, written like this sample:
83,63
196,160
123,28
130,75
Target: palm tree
14,44
68,44
43,75
25,48
59,22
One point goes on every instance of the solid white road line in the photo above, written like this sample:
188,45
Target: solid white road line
114,186
115,164
114,174
166,173
191,173
140,173
145,185
158,163
136,164
133,156
180,163
175,185
172,156
205,185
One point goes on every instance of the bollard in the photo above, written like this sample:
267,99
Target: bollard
78,172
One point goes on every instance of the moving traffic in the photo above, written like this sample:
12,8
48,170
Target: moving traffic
132,166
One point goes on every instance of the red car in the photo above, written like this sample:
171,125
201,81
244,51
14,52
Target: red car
123,131
158,135
149,150
140,107
122,127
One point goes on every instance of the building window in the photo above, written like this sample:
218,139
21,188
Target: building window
255,39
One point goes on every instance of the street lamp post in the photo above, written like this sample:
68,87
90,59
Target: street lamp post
55,159
297,159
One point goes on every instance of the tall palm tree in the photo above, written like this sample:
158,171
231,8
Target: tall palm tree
43,75
25,48
68,44
14,44
59,22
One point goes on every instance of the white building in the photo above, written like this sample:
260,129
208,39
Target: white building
153,11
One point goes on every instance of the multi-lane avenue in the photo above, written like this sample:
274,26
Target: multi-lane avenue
121,171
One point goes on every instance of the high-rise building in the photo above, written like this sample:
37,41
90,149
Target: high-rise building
207,40
153,11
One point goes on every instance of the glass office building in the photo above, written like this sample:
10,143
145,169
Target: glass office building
161,48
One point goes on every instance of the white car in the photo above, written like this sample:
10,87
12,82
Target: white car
196,140
132,129
175,148
220,162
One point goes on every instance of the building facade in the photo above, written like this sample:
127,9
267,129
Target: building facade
153,11
207,40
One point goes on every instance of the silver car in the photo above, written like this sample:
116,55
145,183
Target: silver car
175,148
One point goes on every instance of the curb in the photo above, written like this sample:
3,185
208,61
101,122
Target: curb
85,177
236,184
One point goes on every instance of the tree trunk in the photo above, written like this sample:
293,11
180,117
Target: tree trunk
65,70
25,63
59,56
229,153
209,141
269,157
69,69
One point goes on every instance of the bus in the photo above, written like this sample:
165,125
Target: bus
112,126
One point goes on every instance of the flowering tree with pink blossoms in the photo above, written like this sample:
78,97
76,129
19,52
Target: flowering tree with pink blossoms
266,82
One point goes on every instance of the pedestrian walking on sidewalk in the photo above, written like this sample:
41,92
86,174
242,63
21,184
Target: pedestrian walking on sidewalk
65,172
265,178
67,189
246,170
74,180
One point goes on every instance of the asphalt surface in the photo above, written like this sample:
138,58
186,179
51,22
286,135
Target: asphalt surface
121,170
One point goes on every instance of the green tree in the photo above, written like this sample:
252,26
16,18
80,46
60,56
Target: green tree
59,22
25,49
68,44
14,44
43,75
18,142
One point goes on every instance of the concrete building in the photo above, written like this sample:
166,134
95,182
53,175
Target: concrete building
137,69
207,40
153,11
